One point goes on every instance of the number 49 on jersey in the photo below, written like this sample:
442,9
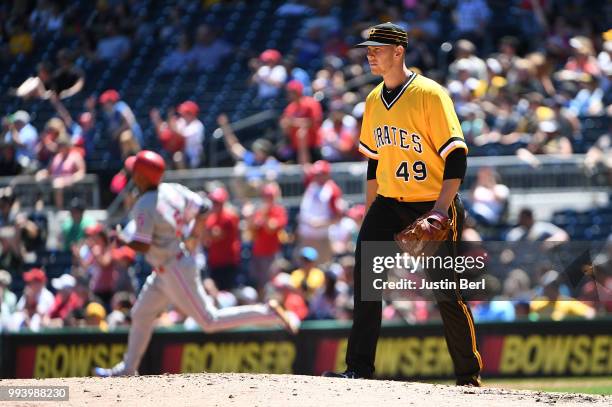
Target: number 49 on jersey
418,170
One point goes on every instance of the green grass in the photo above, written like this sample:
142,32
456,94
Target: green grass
587,385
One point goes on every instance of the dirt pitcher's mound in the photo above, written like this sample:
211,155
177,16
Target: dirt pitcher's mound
229,389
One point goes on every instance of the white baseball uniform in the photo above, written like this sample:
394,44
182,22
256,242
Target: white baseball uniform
162,218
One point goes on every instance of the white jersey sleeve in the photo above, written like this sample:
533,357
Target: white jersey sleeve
194,203
143,213
127,234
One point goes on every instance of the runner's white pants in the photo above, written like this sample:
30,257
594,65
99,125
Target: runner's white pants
180,284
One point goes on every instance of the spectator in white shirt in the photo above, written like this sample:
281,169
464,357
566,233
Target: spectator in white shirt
183,136
488,198
192,130
271,75
343,235
530,230
24,136
35,303
321,206
8,300
465,50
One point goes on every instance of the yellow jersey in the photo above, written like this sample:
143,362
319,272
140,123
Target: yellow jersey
314,281
410,136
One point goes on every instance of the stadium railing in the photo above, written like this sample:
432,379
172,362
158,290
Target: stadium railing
553,173
216,147
28,190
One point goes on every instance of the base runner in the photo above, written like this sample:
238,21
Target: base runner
164,215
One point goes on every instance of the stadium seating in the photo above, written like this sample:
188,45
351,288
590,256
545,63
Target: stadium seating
249,26
594,224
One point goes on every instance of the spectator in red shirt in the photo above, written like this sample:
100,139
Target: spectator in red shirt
66,299
301,122
96,259
321,207
221,236
265,226
290,299
339,135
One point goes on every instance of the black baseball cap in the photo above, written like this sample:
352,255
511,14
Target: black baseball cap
385,34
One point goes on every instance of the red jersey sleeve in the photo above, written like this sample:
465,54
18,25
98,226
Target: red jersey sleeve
281,217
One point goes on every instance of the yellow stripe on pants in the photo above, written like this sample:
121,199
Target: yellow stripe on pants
463,306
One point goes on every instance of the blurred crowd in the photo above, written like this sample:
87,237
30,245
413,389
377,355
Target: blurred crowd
522,81
521,77
255,252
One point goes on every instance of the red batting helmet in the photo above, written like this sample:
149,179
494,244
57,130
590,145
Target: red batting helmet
147,163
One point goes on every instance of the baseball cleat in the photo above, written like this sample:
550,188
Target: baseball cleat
290,321
117,370
473,381
347,374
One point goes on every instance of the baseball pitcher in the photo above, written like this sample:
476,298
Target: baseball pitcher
417,159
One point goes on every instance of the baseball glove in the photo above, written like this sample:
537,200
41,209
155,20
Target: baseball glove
425,234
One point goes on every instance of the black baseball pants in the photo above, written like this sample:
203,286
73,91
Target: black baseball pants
386,217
